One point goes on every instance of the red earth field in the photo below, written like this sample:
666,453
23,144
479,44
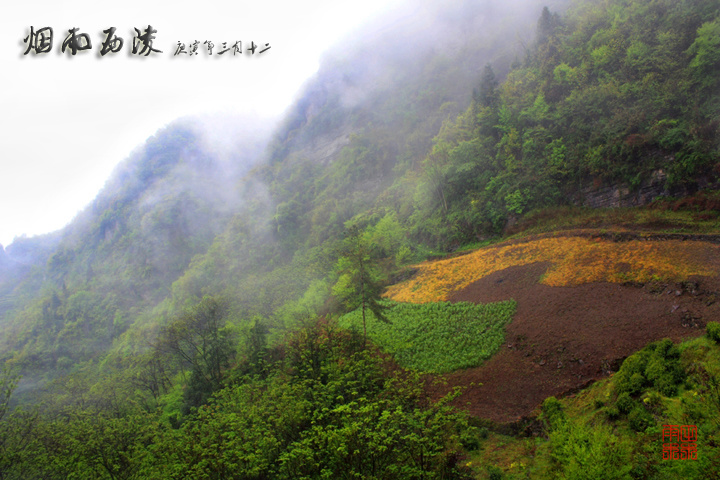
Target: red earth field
564,337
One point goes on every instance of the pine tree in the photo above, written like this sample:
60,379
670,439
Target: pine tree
357,285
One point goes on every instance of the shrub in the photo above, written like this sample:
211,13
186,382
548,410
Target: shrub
667,349
630,378
625,404
612,413
552,413
664,374
494,473
666,386
640,419
588,451
663,369
655,368
653,402
470,439
636,384
658,365
713,331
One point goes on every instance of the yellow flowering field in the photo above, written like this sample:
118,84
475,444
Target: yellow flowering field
574,261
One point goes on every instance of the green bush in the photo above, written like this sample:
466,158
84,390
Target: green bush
655,368
552,413
612,413
640,419
653,402
494,473
713,331
657,365
589,450
667,349
636,383
625,404
664,373
630,378
666,386
470,439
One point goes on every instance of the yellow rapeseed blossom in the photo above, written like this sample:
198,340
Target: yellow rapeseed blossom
574,261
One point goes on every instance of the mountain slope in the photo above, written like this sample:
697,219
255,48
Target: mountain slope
392,137
616,104
365,121
186,323
586,299
119,256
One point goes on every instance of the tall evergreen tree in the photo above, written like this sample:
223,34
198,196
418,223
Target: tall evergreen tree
357,285
486,94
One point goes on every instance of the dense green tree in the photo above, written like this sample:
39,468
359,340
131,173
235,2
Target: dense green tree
8,383
17,429
358,286
200,342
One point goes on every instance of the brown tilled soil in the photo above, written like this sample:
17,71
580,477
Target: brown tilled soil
563,338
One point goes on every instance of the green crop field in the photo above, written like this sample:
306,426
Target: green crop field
437,337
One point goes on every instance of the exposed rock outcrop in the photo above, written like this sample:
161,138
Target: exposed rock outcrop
622,195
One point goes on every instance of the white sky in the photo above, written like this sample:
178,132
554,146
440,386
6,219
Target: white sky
66,121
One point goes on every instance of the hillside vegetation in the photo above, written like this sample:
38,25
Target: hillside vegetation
614,429
217,312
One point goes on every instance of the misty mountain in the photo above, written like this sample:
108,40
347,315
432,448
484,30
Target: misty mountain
32,250
186,321
368,116
161,206
379,99
4,259
20,268
403,75
365,120
432,128
5,278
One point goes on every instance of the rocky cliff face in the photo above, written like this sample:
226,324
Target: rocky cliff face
622,195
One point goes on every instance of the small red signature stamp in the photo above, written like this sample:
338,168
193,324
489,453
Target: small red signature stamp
679,442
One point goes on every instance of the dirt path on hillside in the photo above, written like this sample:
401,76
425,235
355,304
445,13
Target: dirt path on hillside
562,338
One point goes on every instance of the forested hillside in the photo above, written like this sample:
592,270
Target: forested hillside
83,287
614,93
215,312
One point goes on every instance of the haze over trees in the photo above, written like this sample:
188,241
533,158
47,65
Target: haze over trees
185,324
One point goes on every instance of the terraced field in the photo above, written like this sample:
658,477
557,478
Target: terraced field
585,300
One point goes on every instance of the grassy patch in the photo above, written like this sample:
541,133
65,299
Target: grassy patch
437,337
